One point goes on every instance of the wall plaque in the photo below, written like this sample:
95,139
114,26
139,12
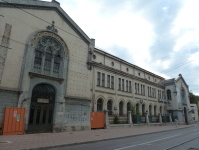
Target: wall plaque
42,100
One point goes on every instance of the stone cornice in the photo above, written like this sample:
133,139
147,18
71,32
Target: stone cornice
38,75
125,74
10,90
127,63
40,5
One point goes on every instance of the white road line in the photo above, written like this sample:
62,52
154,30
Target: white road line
148,142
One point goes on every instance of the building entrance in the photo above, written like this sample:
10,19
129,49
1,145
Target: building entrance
185,115
41,109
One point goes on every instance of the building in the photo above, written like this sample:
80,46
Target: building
194,111
51,67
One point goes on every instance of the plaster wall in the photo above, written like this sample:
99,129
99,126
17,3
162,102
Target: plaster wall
195,114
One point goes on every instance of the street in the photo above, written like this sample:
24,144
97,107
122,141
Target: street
182,139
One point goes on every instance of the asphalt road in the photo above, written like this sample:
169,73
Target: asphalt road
182,139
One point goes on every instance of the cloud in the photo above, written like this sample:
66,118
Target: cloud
155,35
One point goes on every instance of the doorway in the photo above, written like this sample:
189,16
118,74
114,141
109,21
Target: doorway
41,109
185,116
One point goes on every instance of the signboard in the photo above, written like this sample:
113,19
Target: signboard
162,100
18,117
42,100
15,113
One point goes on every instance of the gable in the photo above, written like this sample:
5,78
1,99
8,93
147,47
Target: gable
54,6
180,80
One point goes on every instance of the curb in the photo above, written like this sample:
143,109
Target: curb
87,142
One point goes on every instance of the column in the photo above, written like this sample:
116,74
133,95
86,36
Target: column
129,118
106,120
43,61
160,118
52,65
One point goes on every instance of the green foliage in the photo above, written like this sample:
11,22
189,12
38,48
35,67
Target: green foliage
116,120
133,109
193,98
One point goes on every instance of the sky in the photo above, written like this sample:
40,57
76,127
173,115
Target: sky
161,36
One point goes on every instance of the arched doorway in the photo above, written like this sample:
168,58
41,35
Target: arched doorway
128,107
121,108
41,109
137,109
185,115
154,110
150,110
99,105
143,109
109,107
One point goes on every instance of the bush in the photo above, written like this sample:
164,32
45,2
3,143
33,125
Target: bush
116,120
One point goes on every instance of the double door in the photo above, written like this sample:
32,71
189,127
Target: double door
41,118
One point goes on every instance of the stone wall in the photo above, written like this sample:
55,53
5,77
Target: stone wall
9,99
77,115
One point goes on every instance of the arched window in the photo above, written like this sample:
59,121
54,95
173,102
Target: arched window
128,107
150,110
109,107
143,109
99,105
183,96
48,58
57,61
121,108
168,94
38,55
137,109
154,110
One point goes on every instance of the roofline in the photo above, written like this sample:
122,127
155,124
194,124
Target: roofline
134,66
43,5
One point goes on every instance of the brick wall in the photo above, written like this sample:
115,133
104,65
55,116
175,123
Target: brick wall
9,99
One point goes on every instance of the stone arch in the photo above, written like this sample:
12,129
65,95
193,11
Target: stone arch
110,99
103,102
121,106
150,112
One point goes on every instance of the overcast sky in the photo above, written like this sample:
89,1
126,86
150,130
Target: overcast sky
156,35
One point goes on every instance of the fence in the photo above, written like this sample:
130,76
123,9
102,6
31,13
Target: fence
121,119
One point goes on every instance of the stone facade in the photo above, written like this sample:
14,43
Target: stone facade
57,55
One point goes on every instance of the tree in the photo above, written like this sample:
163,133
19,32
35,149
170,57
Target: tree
193,98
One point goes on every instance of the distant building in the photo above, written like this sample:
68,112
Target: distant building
194,111
55,71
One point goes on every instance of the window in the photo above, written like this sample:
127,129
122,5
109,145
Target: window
149,78
150,110
162,94
128,107
138,74
127,69
122,84
154,110
38,58
103,78
112,63
99,105
119,83
98,78
112,82
141,89
137,109
168,94
108,81
94,57
48,58
143,109
148,91
135,88
127,85
138,88
57,61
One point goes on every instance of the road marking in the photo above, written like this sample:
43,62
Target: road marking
147,142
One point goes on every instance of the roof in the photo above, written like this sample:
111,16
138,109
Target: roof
41,5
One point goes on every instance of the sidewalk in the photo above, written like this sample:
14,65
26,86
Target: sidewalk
47,140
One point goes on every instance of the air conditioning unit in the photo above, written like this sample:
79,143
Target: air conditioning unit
141,101
115,107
